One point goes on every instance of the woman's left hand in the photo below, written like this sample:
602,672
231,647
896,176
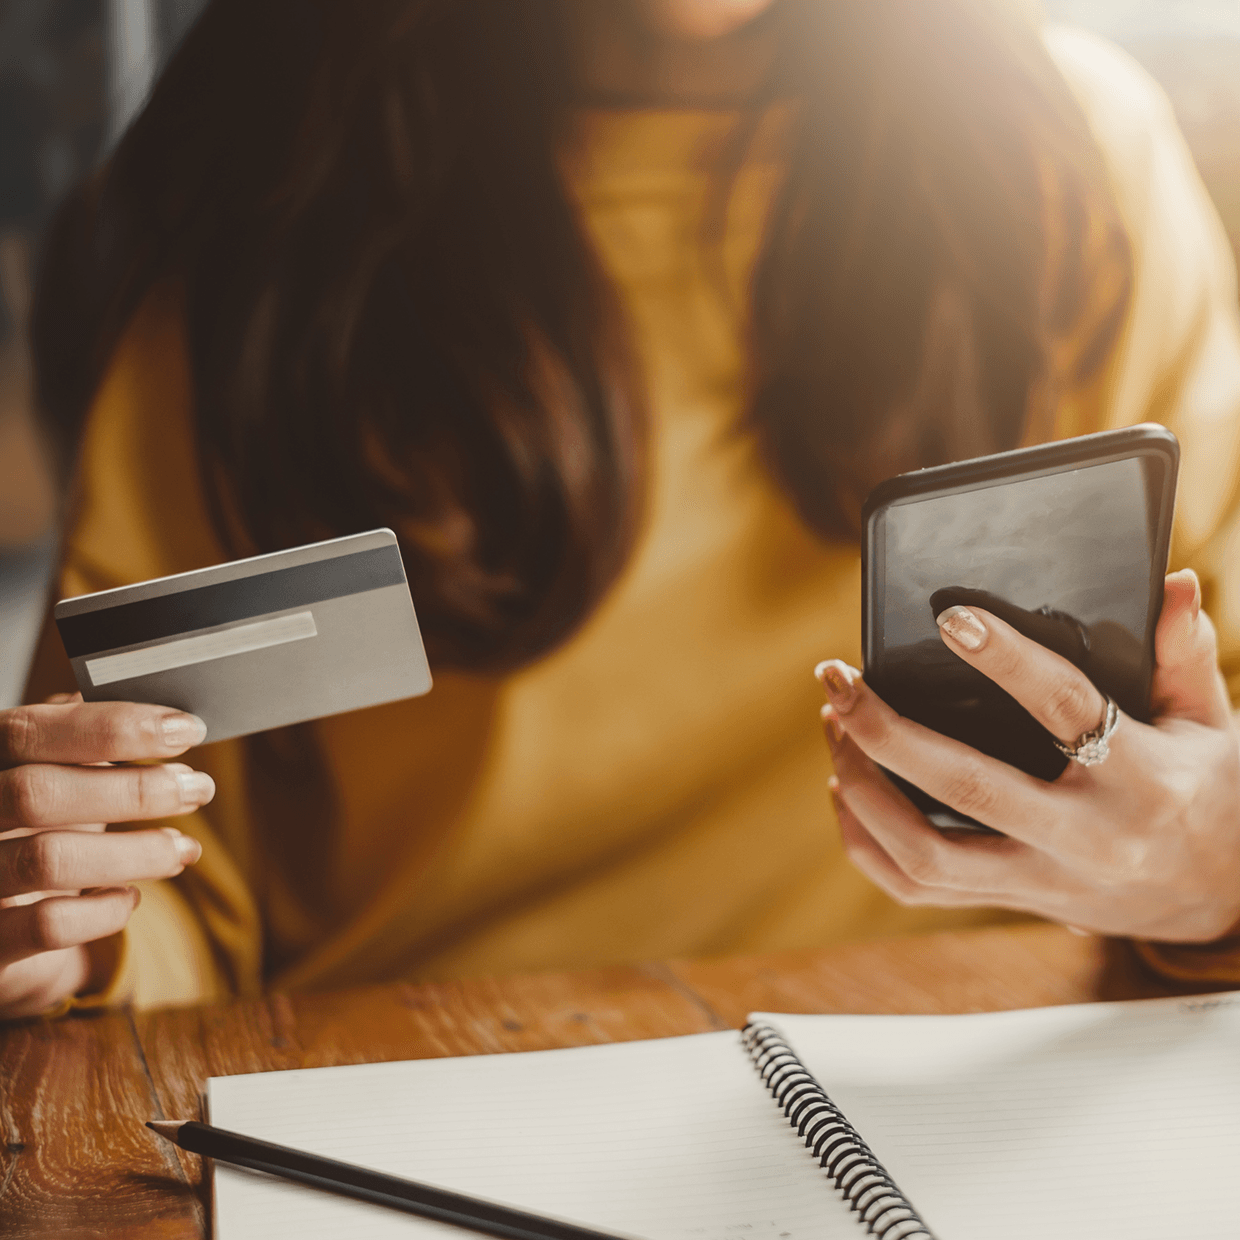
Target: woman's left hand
1146,843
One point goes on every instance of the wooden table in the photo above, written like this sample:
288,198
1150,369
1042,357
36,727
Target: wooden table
74,1093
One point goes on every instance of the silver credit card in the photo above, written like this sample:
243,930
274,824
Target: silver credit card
257,643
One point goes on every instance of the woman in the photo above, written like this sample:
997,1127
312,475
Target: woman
614,313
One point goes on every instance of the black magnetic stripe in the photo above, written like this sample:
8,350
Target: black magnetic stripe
168,615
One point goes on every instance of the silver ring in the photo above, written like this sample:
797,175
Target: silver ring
1091,748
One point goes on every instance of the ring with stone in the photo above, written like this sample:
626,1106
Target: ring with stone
1092,747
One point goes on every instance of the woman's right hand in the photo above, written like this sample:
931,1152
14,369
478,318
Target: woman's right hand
63,880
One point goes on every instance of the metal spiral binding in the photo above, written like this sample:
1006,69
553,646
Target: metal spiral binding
834,1142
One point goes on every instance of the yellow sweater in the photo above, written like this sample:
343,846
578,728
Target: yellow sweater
658,786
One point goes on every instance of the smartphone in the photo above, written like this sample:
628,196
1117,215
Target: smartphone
1066,541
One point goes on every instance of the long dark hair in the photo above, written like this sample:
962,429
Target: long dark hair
394,316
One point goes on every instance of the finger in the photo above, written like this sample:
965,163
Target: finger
1057,694
73,860
18,832
1187,683
975,868
29,987
972,783
63,796
63,921
865,852
868,856
95,732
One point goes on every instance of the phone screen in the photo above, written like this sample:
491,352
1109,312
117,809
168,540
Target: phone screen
1073,558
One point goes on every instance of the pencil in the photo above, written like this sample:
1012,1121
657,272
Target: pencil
488,1217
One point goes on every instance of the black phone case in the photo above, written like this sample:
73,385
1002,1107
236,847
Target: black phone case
994,722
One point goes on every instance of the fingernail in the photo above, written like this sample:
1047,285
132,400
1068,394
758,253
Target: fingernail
181,731
188,848
838,679
963,627
832,726
197,787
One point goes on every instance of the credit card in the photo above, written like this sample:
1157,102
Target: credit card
257,643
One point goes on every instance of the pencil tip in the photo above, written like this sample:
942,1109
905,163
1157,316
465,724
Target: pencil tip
165,1127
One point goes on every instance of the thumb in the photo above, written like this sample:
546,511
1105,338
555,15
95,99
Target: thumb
1187,683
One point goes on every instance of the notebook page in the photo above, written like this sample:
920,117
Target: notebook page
673,1138
1115,1119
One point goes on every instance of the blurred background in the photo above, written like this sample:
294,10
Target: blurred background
74,72
72,75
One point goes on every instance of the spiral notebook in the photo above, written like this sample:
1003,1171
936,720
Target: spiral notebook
1119,1119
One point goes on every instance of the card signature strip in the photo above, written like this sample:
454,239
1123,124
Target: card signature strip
109,668
205,607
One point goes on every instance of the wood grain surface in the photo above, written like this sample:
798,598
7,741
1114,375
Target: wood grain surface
76,1161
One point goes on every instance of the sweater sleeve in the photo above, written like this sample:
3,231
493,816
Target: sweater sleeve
1178,361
